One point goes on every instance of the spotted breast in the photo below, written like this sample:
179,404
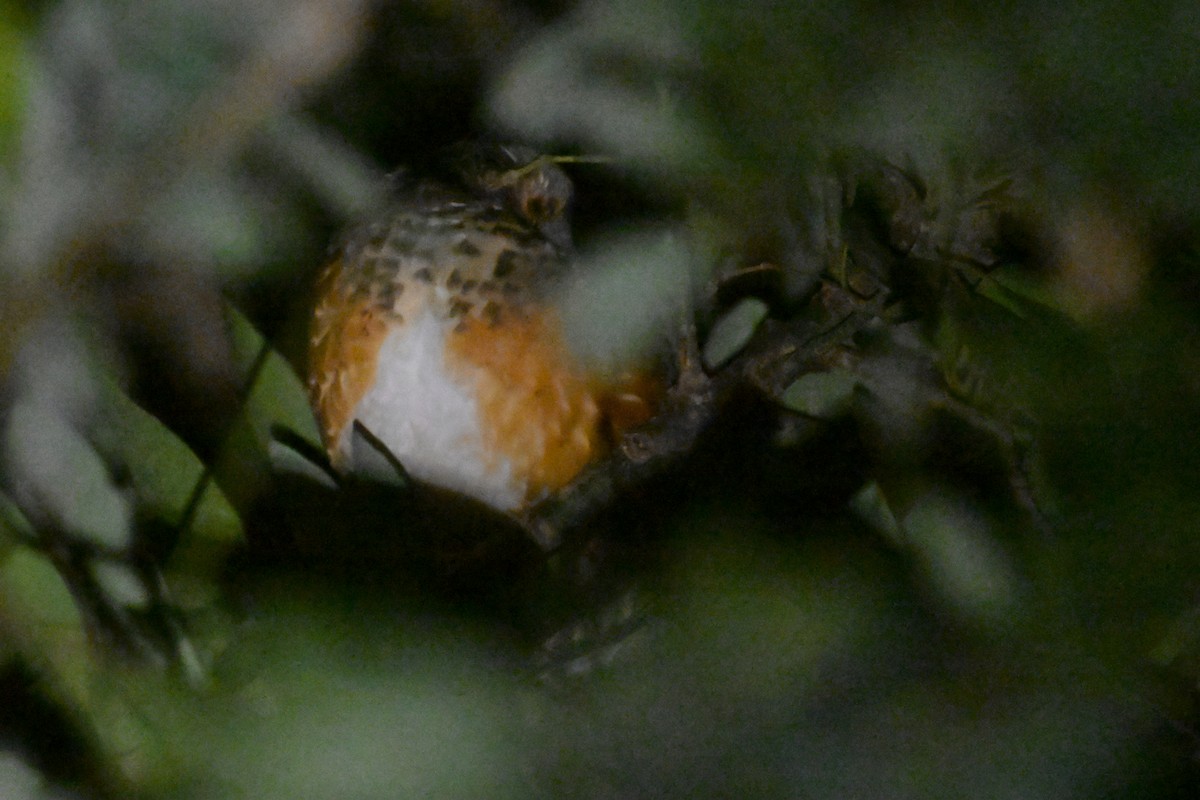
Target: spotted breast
436,329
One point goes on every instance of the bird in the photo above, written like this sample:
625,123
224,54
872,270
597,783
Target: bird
436,329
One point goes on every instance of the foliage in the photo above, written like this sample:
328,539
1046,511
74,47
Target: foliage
949,552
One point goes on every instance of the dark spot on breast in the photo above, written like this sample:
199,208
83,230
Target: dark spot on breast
469,285
465,247
488,287
488,214
376,236
387,266
526,235
491,313
368,269
385,295
402,245
454,279
506,262
459,308
423,274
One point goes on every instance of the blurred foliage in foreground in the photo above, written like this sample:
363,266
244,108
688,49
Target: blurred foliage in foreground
847,613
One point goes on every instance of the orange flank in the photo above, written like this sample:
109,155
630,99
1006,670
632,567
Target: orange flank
343,354
538,410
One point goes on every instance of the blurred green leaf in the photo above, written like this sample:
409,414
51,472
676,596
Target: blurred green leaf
329,701
346,183
957,548
733,331
756,616
870,505
14,68
62,478
41,618
824,395
14,525
210,213
627,297
604,75
120,583
20,781
1013,287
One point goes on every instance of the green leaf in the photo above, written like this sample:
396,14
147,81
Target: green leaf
121,583
373,460
627,297
19,781
62,476
210,212
14,67
364,702
343,178
287,460
277,397
163,470
38,615
1014,288
602,77
754,617
956,548
14,525
733,331
824,395
872,507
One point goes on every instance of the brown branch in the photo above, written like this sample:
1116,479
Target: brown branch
779,353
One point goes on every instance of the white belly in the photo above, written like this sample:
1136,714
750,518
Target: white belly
429,420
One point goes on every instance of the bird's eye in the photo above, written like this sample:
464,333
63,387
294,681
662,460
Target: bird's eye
537,206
